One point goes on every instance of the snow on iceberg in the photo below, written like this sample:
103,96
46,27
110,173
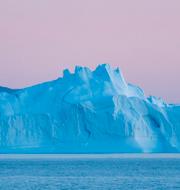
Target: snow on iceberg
86,112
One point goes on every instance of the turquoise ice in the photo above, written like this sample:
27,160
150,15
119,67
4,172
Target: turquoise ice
86,112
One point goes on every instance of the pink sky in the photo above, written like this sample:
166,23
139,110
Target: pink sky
39,38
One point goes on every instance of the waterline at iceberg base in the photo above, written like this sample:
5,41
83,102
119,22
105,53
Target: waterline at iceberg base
87,112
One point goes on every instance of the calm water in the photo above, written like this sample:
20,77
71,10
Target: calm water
90,173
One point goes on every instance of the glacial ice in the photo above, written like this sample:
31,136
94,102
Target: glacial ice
87,112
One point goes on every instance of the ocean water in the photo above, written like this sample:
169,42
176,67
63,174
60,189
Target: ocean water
89,172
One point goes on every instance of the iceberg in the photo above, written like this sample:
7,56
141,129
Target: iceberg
87,112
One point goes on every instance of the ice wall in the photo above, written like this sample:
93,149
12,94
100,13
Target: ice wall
86,112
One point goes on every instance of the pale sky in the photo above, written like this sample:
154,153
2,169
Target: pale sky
39,38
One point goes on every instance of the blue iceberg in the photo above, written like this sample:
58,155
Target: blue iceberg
87,112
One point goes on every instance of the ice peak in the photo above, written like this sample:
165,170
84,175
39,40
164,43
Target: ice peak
66,73
80,69
105,67
103,73
82,73
106,72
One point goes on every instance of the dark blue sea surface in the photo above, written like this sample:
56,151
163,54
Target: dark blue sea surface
102,173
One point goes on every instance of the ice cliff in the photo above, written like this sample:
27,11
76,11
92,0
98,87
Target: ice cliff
86,112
